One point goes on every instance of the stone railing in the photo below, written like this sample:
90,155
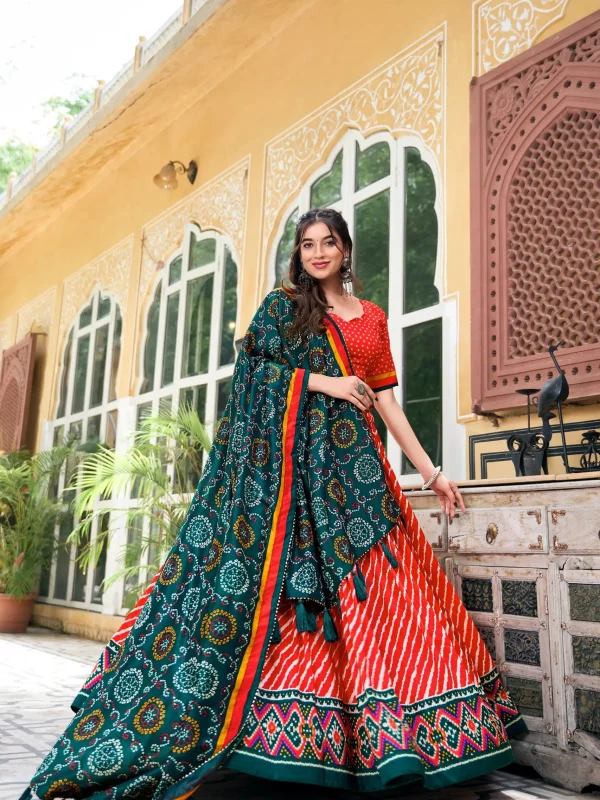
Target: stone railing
145,50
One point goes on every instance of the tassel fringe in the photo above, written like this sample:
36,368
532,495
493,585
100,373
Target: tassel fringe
306,621
359,584
329,629
276,637
388,554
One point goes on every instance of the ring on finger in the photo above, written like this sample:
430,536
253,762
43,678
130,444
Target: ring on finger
360,388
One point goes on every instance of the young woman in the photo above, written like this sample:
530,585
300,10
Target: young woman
301,628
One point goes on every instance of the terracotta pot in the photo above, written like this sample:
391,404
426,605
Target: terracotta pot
15,614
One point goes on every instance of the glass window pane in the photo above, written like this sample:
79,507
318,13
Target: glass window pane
175,270
100,568
202,252
111,428
62,559
372,247
99,368
522,647
477,594
133,556
64,381
527,695
79,576
223,392
587,709
104,306
116,356
586,655
420,236
59,435
284,248
372,164
519,598
144,410
198,310
422,378
168,366
328,189
93,429
85,318
151,342
229,314
584,600
196,398
81,365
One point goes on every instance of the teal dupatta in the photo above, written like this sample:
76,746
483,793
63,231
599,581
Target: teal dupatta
293,493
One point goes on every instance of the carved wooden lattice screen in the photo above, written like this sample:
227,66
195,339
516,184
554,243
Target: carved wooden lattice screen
535,219
15,390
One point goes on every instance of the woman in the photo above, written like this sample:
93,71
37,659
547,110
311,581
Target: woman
300,628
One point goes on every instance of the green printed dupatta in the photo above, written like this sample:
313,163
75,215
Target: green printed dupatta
292,494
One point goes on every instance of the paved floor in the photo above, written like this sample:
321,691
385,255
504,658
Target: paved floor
40,673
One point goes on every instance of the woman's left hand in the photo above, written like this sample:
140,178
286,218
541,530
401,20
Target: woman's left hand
449,495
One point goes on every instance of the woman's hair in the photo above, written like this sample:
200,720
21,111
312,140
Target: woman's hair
309,299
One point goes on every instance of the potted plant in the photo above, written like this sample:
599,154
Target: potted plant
151,486
29,512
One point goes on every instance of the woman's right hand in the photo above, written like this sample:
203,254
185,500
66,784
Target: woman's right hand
346,388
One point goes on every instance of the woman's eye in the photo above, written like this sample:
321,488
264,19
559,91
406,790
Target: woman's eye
306,245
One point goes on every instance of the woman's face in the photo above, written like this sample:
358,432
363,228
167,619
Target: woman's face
321,251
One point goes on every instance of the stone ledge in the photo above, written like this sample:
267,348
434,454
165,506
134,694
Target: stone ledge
76,621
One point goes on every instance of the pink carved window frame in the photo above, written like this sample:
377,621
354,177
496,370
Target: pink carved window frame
550,80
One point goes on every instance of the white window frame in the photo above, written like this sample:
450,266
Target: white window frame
215,373
105,411
453,435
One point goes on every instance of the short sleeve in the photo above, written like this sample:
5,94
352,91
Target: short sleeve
382,372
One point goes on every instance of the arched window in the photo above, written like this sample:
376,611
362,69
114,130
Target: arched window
188,353
87,408
386,191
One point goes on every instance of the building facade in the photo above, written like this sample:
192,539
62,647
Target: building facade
427,130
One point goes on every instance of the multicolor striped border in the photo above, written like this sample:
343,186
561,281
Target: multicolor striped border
338,346
249,674
386,380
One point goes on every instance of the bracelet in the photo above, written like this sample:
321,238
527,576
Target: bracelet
436,472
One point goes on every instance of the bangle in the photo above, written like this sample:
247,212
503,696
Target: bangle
436,472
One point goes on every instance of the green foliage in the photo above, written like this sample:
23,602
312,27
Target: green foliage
60,107
15,156
29,512
160,502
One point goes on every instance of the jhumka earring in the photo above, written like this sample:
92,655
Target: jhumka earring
305,280
346,277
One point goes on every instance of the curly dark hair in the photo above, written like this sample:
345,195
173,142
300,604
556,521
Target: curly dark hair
309,299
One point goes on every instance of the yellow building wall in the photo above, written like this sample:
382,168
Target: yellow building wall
323,48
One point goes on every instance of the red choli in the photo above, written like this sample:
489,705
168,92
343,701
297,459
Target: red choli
368,343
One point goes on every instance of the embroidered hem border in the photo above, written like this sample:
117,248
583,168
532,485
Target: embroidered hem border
377,743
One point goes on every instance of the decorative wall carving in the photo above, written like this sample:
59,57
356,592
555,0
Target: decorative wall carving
111,272
6,334
219,205
505,28
404,95
535,218
38,312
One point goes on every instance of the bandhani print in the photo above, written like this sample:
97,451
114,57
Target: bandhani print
290,551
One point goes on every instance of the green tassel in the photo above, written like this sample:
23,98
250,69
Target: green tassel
276,637
306,622
329,629
359,584
388,553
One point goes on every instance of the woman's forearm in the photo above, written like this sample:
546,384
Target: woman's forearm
318,383
398,425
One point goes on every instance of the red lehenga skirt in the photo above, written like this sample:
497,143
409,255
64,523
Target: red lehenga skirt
409,692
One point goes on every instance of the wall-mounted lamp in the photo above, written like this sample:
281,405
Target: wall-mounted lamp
167,177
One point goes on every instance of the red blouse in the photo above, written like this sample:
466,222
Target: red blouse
368,343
